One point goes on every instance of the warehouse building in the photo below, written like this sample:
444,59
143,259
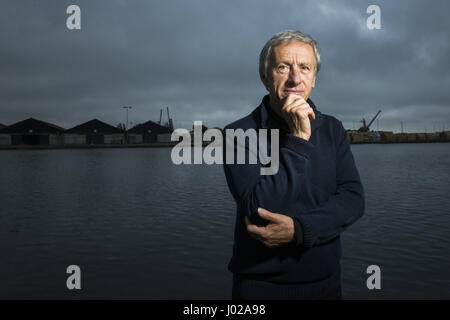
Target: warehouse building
432,137
149,132
444,136
31,132
94,132
387,137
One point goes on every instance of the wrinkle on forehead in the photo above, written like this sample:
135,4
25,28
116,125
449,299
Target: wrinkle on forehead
300,52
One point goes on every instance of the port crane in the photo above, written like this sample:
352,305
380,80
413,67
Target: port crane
169,123
160,116
365,128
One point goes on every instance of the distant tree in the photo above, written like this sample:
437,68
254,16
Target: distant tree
122,126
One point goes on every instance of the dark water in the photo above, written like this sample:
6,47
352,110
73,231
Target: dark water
140,227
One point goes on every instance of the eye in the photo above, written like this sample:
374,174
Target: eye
283,68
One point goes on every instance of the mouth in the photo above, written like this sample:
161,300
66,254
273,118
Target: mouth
297,92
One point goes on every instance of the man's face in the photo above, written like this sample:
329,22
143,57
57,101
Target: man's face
291,71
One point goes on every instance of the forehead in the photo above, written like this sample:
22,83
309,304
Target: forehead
296,50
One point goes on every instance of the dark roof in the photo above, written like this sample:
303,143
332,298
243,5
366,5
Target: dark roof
92,126
2,126
36,126
149,125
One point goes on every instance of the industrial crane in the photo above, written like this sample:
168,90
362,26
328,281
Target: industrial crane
160,116
365,128
169,123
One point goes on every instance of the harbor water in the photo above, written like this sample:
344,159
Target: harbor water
140,227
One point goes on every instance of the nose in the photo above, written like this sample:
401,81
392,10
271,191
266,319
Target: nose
295,77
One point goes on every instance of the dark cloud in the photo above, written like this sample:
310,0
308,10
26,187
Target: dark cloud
200,58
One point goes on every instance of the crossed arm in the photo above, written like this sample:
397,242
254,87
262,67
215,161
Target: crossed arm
259,196
279,230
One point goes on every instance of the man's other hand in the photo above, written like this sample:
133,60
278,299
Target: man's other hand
279,231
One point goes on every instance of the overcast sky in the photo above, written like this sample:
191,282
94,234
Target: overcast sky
200,58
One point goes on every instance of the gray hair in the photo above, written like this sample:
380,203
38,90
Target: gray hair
286,36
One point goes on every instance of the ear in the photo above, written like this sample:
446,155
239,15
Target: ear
313,82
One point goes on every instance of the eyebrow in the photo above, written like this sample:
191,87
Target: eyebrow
303,63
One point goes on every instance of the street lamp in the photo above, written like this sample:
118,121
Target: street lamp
127,107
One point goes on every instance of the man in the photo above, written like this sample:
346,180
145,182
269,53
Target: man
288,225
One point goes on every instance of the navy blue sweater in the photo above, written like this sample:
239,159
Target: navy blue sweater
317,184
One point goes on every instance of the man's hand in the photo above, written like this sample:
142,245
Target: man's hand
279,230
297,112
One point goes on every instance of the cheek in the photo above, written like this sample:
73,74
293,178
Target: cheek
279,83
310,83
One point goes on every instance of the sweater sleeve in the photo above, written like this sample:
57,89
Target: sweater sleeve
298,233
343,208
252,190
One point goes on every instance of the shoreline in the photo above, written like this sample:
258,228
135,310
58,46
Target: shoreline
153,145
84,146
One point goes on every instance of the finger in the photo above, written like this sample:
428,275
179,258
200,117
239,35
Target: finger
292,100
300,102
253,229
254,236
250,226
305,112
267,215
310,113
295,108
293,97
304,105
270,245
259,238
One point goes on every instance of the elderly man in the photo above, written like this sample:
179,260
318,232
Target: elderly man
288,225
